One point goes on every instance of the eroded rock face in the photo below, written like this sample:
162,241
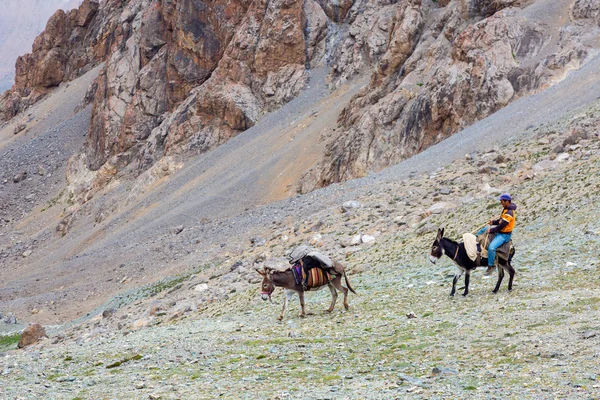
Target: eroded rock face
586,9
175,88
72,43
431,81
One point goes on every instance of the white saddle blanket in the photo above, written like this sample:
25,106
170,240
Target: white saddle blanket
470,242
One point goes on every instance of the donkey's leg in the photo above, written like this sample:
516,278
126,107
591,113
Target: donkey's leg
337,282
286,298
467,279
500,277
457,275
333,297
301,295
511,275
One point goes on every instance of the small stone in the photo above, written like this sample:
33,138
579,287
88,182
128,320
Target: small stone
589,335
367,238
201,287
410,379
108,313
349,205
140,385
20,177
176,230
27,253
411,315
443,371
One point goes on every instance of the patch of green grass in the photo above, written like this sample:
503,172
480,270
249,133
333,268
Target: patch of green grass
53,377
123,361
329,378
52,202
9,342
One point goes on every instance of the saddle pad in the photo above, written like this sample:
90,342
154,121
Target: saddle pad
502,252
317,277
298,275
470,242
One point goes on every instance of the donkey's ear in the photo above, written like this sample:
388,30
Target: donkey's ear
260,271
440,234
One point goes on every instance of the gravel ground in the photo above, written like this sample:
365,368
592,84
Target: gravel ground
206,333
202,332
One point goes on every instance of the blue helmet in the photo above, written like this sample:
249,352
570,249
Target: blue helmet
505,196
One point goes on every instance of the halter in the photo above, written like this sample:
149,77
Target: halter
267,293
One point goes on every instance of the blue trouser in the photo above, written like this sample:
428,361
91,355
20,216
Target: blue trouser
498,241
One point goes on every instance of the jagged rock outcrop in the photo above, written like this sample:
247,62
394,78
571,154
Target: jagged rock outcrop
72,43
190,77
20,22
184,76
471,60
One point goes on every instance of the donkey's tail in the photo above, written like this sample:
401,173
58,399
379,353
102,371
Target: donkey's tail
348,284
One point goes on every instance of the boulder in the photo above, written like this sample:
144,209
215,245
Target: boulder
31,335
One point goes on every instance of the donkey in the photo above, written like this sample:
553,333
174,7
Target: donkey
458,254
274,278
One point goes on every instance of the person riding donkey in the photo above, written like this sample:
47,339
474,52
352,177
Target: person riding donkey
308,259
502,228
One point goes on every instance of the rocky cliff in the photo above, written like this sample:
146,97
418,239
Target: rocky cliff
72,43
442,69
184,76
20,22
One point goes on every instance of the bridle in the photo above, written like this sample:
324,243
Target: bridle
269,293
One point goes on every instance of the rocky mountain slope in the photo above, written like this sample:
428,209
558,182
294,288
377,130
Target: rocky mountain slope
137,198
205,331
20,23
182,77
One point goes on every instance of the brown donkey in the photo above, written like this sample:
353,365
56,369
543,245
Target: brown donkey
285,279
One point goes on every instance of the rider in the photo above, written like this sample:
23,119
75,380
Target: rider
502,227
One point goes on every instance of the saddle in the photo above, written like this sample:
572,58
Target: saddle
503,251
317,277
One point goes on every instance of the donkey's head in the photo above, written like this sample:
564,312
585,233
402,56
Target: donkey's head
267,286
437,251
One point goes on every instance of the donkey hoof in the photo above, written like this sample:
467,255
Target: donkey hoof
329,310
494,291
465,294
280,318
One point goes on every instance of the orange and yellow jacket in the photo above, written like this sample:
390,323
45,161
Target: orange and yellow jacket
506,222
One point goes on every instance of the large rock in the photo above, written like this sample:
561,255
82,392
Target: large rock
31,335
